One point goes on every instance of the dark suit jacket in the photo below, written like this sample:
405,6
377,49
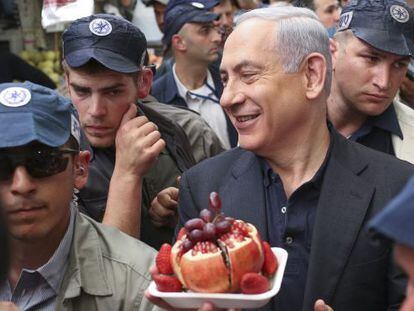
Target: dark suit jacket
345,268
165,91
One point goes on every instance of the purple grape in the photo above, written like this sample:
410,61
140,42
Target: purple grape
215,202
196,235
209,231
187,245
223,227
206,215
195,223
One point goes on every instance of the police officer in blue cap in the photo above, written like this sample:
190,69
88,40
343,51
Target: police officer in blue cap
192,82
137,151
396,223
60,259
371,52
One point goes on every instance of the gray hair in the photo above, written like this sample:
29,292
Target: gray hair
298,33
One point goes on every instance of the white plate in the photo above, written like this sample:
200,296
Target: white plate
186,300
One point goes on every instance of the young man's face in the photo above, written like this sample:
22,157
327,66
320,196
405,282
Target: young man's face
226,12
202,41
101,98
159,10
328,12
37,208
365,78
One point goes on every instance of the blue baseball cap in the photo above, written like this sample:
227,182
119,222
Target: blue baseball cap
112,41
30,112
182,12
396,221
387,25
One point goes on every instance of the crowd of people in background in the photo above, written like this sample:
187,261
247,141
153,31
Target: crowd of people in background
298,113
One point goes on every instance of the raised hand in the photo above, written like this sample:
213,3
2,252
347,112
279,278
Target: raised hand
138,143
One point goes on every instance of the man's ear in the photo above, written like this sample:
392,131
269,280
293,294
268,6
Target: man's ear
144,82
178,43
81,169
315,74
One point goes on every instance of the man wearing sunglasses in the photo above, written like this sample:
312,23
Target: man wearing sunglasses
60,259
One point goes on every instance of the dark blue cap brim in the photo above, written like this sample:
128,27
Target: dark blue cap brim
25,127
198,16
385,41
396,221
107,58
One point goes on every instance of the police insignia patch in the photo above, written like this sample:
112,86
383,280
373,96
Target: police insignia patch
345,20
399,13
100,27
75,128
15,97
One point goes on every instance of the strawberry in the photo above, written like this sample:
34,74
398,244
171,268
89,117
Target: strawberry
180,234
167,283
270,263
253,283
163,259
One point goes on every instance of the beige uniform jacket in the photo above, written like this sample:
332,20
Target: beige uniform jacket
107,270
404,148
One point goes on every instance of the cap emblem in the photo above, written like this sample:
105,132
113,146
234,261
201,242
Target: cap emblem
15,97
399,13
198,5
100,27
345,20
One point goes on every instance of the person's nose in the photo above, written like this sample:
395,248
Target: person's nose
22,183
97,107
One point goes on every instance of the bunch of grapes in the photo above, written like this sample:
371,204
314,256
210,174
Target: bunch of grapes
210,225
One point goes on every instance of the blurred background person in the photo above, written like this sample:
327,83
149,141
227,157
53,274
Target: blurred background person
193,82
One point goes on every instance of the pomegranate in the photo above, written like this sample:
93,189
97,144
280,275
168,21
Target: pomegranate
216,251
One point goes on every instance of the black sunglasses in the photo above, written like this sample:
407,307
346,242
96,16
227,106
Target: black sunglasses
38,163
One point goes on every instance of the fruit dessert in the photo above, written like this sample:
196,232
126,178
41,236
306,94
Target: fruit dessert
216,254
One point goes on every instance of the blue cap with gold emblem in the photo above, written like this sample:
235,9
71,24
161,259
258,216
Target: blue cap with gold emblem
30,112
387,25
112,41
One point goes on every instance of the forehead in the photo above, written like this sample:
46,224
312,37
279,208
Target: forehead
252,40
356,44
324,3
98,79
224,6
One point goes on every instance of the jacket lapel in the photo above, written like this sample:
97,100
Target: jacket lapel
343,204
244,197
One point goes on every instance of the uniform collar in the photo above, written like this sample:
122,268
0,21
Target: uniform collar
387,121
183,91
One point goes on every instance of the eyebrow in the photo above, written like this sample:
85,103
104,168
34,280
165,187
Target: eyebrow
243,64
104,89
372,50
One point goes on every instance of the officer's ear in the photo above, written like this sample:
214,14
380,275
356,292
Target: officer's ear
81,165
178,43
144,82
314,69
